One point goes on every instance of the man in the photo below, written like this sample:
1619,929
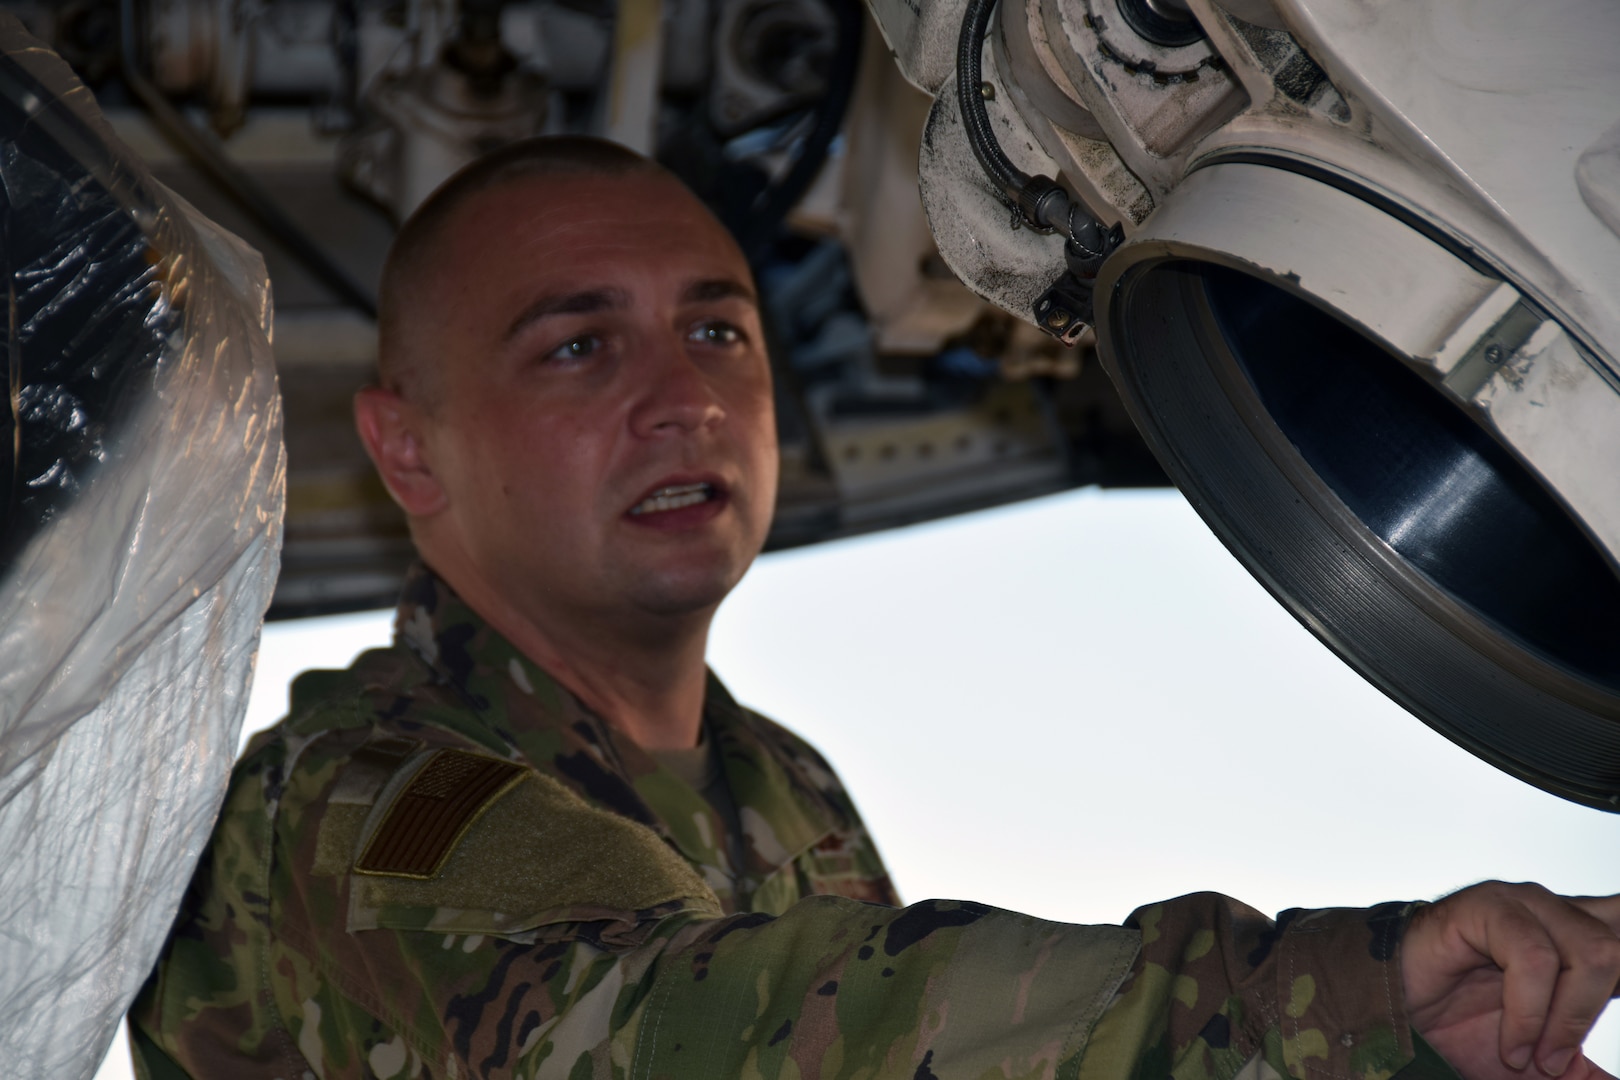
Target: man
536,837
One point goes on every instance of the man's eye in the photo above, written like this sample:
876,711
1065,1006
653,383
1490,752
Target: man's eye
578,348
716,333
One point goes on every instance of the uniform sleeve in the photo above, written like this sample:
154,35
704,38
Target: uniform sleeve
836,988
557,940
831,988
1220,991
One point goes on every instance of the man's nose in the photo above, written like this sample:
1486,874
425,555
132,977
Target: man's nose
678,392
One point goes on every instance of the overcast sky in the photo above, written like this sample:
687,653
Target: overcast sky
1080,704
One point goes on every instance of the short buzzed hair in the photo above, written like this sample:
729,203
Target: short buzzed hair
418,237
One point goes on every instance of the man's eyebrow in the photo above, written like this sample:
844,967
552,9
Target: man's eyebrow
700,292
574,303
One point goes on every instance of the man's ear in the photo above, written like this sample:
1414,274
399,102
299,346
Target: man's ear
391,429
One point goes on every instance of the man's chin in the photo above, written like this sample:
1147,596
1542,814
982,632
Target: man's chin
689,591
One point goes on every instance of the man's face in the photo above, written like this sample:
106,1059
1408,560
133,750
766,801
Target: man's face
603,427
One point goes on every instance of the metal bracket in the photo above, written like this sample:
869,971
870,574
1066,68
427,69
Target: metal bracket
1065,309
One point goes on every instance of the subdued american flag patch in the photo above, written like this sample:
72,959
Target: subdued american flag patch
428,817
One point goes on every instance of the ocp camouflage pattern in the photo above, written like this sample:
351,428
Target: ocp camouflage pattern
597,919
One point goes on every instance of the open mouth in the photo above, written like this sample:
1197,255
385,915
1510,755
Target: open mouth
674,497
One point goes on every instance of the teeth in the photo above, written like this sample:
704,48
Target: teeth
673,497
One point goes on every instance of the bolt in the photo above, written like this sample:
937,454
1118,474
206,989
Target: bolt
1494,354
987,91
1058,319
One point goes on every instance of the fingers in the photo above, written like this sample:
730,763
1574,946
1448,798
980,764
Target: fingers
1560,961
1583,1069
1603,908
1589,969
1517,942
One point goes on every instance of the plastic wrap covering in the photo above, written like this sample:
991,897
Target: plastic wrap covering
141,481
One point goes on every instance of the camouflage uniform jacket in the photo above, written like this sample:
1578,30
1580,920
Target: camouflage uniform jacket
441,864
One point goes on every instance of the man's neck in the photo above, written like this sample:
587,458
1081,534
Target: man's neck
647,681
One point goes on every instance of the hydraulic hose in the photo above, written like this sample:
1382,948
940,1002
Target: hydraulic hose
1041,201
1066,307
970,97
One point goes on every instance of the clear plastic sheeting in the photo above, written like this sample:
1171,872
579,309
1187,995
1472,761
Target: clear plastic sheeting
141,484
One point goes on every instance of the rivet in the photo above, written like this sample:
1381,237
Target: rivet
1494,354
1058,318
987,91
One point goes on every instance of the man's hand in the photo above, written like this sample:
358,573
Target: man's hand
1507,979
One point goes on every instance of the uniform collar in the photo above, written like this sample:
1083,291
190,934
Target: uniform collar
514,707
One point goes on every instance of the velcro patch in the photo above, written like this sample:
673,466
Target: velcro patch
540,855
440,803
